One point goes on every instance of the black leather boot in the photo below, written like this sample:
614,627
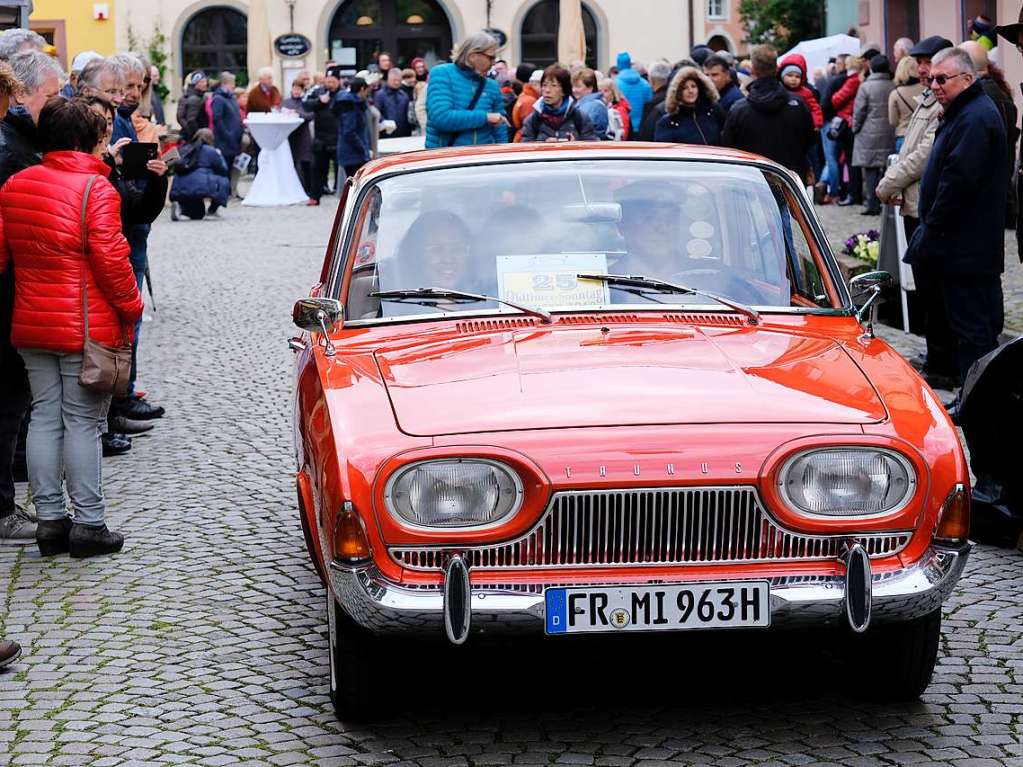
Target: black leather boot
91,541
52,536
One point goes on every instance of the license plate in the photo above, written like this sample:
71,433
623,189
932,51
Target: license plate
593,609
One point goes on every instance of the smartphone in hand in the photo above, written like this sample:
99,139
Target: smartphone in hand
134,157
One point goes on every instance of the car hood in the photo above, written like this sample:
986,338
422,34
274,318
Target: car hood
556,377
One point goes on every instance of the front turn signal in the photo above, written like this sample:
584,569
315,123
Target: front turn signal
350,543
954,518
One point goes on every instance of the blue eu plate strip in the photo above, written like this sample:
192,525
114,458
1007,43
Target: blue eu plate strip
556,613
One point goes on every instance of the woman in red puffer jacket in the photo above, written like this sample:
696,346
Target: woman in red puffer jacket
57,268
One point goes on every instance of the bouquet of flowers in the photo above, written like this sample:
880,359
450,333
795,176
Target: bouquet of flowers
864,246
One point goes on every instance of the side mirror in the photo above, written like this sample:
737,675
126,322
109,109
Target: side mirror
871,284
318,314
868,281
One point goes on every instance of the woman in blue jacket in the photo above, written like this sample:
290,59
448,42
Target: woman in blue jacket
201,174
692,113
463,105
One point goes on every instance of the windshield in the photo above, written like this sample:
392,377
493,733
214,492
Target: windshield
522,232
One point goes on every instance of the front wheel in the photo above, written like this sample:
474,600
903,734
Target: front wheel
895,661
353,656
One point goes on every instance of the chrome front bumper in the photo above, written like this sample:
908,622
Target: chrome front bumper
383,606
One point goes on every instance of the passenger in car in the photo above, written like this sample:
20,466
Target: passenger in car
436,251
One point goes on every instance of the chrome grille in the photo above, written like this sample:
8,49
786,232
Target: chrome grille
652,527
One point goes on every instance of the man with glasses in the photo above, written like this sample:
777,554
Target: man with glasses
901,186
960,237
32,79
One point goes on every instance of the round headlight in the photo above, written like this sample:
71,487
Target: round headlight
459,492
847,482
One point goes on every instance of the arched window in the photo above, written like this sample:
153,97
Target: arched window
216,40
719,43
540,34
406,29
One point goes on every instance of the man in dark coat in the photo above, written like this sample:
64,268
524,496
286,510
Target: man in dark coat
720,73
994,85
192,107
36,77
320,101
227,120
771,121
659,74
300,140
16,525
393,103
17,152
962,213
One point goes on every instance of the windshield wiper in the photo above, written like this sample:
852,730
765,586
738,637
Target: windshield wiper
442,293
652,283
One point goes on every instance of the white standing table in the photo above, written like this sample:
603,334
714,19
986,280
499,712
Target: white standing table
276,182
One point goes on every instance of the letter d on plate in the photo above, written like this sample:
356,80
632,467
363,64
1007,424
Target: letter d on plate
556,611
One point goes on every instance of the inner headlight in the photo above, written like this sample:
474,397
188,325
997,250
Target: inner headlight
847,482
457,492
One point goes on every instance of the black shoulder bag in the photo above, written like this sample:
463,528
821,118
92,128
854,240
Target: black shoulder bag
472,106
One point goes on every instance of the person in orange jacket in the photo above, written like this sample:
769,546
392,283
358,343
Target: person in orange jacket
523,107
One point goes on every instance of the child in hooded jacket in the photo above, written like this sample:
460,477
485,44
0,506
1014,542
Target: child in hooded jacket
792,72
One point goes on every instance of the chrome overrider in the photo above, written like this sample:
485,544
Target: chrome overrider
383,606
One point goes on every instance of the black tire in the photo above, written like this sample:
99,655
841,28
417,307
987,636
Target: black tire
895,662
354,653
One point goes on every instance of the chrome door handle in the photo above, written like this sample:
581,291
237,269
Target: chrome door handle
296,344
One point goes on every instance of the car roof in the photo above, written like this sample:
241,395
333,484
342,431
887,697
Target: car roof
424,159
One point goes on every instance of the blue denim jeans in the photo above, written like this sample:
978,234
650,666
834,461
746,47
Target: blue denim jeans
64,438
138,239
832,175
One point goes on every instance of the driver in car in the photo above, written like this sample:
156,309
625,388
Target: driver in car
668,235
651,227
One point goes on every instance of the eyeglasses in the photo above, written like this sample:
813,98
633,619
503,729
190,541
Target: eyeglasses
491,56
942,79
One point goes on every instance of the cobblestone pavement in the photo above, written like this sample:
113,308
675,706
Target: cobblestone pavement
203,642
843,222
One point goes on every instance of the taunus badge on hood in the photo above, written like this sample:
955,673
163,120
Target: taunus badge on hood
669,470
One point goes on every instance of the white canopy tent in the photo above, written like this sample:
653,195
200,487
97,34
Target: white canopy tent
817,52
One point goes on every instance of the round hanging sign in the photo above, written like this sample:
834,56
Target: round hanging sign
293,45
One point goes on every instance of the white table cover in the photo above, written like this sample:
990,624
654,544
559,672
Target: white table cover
276,182
388,146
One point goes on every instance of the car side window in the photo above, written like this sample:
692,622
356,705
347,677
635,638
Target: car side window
804,275
365,277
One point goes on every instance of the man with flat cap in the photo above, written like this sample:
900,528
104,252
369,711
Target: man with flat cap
901,182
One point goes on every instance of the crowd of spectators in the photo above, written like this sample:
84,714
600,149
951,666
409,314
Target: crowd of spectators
66,188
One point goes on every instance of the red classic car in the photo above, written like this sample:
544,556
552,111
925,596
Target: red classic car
571,389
